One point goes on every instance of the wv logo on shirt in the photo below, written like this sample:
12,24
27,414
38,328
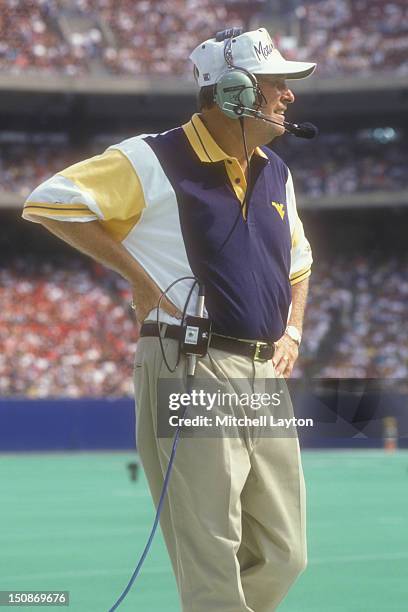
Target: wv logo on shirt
280,208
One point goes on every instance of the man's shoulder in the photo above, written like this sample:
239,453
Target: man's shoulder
137,142
276,161
148,153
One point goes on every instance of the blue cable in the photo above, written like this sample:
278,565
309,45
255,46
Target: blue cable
155,524
159,507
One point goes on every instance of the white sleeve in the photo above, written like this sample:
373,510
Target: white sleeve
104,187
60,199
301,253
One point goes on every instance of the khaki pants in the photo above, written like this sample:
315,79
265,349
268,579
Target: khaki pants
234,516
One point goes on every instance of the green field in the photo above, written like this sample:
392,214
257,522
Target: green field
77,522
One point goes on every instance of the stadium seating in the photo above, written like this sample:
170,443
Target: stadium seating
339,163
355,38
65,330
149,37
30,39
359,306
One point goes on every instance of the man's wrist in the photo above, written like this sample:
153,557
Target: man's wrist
294,333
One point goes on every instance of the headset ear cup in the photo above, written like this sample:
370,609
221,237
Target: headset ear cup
237,87
260,99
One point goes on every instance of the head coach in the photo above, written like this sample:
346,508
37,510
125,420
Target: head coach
209,200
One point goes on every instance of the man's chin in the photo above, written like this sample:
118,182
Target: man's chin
275,131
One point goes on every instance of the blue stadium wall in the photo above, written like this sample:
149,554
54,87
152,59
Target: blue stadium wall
109,424
67,424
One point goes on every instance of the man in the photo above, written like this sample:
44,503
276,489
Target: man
158,208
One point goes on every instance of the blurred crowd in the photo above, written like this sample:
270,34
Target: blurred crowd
154,37
115,36
341,163
356,319
332,164
66,328
26,164
354,36
30,39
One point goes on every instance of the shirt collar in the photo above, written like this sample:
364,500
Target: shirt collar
204,144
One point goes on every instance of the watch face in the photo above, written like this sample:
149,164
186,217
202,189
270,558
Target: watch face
294,334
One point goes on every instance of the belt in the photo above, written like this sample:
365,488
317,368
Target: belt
258,351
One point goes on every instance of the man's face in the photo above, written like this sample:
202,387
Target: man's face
278,96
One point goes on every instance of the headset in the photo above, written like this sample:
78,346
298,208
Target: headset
238,94
236,86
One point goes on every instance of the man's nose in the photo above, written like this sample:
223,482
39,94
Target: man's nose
288,96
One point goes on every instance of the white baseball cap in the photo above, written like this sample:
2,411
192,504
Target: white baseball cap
255,51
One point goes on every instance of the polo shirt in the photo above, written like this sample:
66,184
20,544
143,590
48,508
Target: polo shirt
171,199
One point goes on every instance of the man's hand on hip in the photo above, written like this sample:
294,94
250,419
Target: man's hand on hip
286,353
146,297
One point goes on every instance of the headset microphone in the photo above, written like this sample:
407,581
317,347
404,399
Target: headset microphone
302,130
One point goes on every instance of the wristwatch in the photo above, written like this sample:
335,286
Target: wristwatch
294,333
